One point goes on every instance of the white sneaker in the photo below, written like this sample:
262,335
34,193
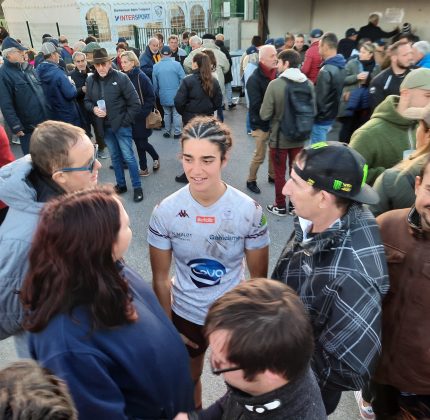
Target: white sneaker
366,412
16,140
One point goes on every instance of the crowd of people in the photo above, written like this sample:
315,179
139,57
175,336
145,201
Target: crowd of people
346,306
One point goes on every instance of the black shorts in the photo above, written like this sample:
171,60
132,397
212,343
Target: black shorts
193,332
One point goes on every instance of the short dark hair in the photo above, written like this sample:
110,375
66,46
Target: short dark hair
30,391
121,46
269,328
292,56
208,36
160,36
89,39
329,39
257,41
63,276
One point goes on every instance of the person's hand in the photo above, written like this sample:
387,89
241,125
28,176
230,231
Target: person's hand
181,416
363,75
84,89
189,343
99,112
20,133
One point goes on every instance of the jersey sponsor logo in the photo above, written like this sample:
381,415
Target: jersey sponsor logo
205,219
221,237
183,236
206,272
182,213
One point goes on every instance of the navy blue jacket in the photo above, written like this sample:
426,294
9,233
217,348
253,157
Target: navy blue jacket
60,93
146,61
134,371
22,100
147,100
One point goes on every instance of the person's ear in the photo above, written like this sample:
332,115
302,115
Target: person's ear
59,178
418,181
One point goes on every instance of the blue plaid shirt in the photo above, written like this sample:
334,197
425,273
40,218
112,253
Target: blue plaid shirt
341,276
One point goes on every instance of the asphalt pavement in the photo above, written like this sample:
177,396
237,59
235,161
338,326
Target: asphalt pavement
159,185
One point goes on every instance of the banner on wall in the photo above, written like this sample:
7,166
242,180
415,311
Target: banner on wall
137,15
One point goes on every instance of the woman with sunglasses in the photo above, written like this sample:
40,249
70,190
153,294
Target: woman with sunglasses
210,229
93,321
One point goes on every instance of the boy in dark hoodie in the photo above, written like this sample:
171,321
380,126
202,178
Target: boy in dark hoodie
328,88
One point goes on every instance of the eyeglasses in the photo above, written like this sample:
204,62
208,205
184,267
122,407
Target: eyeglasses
90,166
217,371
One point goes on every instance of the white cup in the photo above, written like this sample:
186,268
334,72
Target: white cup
101,104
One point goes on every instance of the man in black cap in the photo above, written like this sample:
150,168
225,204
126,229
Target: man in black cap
347,44
22,100
335,261
112,98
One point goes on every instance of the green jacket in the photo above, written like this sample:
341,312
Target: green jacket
272,107
384,138
396,187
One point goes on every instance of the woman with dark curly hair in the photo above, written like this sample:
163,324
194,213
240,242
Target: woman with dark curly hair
93,321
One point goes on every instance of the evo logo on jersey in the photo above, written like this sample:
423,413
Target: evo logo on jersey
205,272
205,219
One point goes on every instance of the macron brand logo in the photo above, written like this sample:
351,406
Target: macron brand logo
183,213
205,219
206,272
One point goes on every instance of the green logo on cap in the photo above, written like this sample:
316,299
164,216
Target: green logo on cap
319,145
337,185
365,172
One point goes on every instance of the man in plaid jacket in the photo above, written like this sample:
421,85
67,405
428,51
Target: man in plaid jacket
335,261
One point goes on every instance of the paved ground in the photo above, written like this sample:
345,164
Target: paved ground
159,185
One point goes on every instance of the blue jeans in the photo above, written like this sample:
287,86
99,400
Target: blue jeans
25,143
319,132
170,114
120,145
229,93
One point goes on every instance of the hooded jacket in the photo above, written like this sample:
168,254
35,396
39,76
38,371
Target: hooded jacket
25,203
424,62
273,106
328,88
396,187
404,363
60,93
340,275
22,100
298,400
384,138
222,64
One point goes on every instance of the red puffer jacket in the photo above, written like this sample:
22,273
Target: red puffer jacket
311,65
6,155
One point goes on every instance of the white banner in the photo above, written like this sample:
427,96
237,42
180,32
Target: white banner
133,15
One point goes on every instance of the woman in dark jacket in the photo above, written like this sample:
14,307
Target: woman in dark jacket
199,93
94,322
354,107
143,86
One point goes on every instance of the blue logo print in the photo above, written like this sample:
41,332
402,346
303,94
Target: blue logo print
205,272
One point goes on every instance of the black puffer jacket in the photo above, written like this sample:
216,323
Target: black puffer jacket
122,102
256,87
191,99
228,77
21,97
328,88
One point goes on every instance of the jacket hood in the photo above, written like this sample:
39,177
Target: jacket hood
14,190
338,60
387,110
46,70
209,43
295,75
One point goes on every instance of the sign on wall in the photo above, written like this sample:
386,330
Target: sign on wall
136,15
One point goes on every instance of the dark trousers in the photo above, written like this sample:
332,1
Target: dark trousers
388,402
143,146
331,398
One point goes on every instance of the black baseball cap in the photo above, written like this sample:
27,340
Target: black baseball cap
338,169
350,32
